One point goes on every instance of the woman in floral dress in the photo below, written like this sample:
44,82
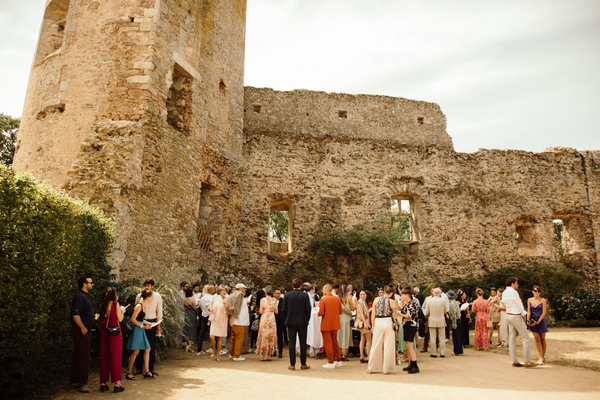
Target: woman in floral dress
266,344
481,308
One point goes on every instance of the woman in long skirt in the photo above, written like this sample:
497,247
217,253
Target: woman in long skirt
266,344
481,309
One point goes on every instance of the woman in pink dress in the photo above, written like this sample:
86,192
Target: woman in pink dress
266,344
481,308
111,347
218,322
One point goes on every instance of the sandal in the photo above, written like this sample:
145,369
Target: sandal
130,376
118,388
148,374
103,388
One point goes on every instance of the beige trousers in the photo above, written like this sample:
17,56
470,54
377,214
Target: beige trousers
383,352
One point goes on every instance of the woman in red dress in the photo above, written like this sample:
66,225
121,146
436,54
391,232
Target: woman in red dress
481,308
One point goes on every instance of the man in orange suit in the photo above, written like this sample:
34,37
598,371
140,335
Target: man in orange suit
330,309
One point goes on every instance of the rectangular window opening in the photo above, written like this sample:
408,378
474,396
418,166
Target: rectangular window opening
343,114
403,220
179,102
420,120
256,108
280,227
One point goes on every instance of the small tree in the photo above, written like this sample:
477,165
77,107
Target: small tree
9,127
278,224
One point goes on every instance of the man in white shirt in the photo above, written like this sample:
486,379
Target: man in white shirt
154,311
205,301
239,319
515,319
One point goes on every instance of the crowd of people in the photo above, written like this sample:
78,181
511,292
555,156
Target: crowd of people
389,324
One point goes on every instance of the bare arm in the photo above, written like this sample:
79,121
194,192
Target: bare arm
528,309
119,313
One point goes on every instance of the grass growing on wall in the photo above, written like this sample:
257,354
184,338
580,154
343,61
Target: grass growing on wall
47,241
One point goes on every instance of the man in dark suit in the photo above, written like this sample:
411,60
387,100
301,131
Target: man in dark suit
296,309
279,320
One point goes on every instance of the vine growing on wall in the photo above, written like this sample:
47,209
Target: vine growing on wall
377,245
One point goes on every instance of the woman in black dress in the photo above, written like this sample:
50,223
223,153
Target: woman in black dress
465,318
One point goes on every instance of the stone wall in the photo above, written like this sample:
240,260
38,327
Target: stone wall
139,106
472,212
148,127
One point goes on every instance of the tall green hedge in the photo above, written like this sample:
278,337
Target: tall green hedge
47,241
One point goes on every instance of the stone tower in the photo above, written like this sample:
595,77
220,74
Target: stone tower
137,105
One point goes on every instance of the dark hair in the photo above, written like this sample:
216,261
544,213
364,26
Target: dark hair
511,280
479,292
537,288
195,285
408,291
296,283
82,281
389,289
146,294
370,297
182,284
269,290
108,296
493,288
335,286
189,292
148,281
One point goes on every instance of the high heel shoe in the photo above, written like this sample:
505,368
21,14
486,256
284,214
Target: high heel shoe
118,388
103,388
130,376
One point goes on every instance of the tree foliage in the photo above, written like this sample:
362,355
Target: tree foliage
8,138
278,224
377,244
47,241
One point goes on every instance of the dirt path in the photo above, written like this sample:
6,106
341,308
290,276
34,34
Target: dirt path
474,375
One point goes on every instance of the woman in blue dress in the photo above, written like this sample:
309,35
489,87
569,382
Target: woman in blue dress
138,339
536,319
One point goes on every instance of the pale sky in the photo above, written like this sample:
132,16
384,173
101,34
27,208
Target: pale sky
515,74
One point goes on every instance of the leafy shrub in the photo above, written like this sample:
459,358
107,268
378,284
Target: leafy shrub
375,245
47,241
579,305
553,281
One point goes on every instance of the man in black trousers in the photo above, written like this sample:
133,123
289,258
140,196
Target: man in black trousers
279,320
296,309
82,320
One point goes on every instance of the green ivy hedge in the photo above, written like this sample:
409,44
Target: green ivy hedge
47,241
582,305
553,281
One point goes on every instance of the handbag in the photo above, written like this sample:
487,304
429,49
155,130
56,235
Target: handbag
112,330
255,324
360,324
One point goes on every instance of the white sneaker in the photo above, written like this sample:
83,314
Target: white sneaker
209,351
223,352
329,366
239,359
338,364
200,353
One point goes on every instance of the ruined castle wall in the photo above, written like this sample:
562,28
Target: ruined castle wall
473,212
160,146
408,122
